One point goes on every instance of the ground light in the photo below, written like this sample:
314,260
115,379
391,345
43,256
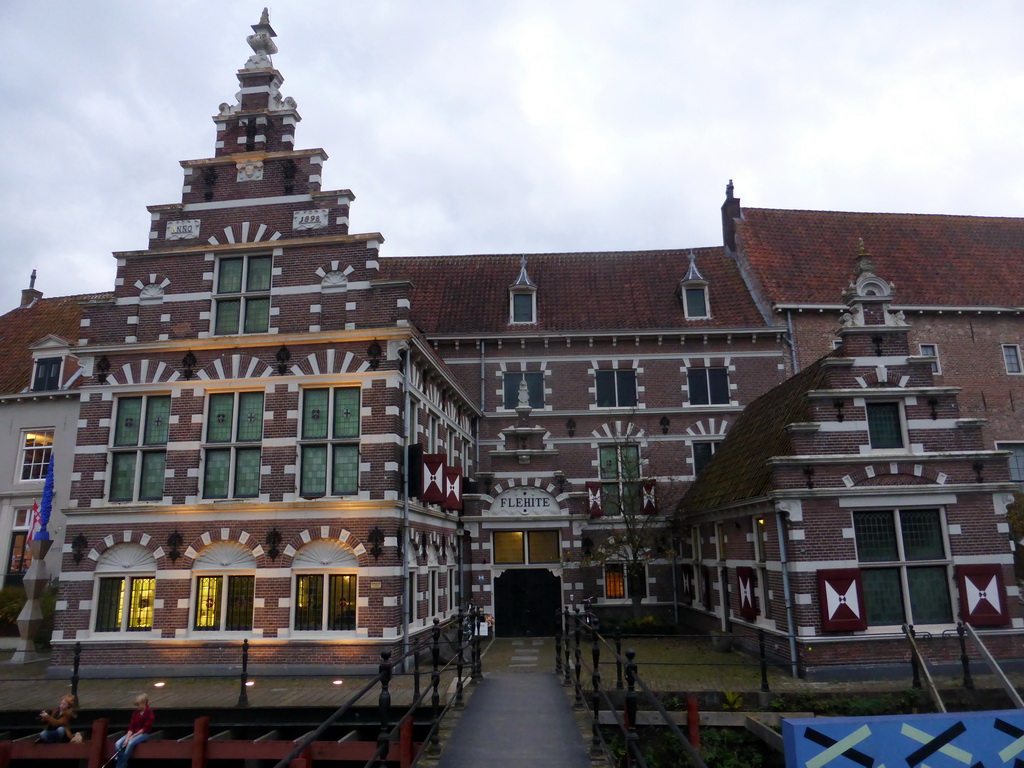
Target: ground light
338,682
159,684
250,683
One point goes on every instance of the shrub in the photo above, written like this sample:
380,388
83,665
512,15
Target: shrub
12,600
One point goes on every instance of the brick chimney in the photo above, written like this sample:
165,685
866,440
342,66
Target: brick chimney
30,295
730,212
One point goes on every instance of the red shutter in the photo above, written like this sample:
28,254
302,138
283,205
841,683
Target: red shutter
433,478
595,499
841,600
748,601
687,577
452,488
982,595
650,504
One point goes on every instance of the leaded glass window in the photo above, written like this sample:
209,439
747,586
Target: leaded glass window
234,421
620,476
138,458
217,608
125,603
242,300
904,566
885,428
329,442
333,608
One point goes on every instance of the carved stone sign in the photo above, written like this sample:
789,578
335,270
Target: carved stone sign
183,230
310,219
527,500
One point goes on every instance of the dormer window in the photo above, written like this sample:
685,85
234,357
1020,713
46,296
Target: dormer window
522,297
693,293
47,375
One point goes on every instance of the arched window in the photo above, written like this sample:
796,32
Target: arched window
125,590
224,601
325,587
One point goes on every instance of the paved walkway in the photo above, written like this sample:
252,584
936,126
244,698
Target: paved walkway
519,715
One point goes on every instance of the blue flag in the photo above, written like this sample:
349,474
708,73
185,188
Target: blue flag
47,504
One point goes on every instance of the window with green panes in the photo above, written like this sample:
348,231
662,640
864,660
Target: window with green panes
243,295
234,423
335,610
620,475
904,566
329,442
138,455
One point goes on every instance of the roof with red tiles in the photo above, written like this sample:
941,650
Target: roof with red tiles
808,257
739,470
609,291
23,326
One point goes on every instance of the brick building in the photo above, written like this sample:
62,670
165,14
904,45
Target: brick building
262,389
853,499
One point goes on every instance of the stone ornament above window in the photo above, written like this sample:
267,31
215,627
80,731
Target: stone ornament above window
153,289
250,170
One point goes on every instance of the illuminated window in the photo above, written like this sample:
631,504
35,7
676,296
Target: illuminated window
228,609
125,595
329,442
515,547
325,601
619,583
242,299
36,448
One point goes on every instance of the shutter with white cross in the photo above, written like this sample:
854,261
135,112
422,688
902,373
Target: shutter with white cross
841,599
982,595
746,581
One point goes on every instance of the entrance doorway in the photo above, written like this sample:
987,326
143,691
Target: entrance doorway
526,603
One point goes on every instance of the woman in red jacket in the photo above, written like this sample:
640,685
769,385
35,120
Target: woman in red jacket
139,729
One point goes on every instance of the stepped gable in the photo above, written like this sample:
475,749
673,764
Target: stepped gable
740,468
800,256
604,291
59,316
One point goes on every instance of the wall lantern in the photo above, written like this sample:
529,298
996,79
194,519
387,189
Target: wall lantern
102,369
78,546
188,364
570,427
273,544
664,424
376,539
283,356
174,542
373,353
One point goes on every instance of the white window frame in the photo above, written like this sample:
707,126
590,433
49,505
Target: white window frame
1016,461
1012,352
903,565
37,467
686,302
243,296
704,371
224,576
325,574
615,373
512,294
331,441
126,603
140,449
626,599
693,452
60,372
520,376
904,434
232,446
936,363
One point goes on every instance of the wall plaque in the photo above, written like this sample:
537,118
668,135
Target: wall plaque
183,230
310,219
527,500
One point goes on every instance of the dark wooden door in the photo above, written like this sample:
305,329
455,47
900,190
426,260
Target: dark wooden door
526,603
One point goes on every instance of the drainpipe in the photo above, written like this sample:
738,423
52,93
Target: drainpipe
405,504
483,398
780,519
792,340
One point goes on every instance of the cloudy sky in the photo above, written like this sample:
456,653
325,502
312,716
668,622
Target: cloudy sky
496,126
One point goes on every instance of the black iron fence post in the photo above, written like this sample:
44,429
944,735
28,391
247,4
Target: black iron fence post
243,692
435,697
461,644
595,696
416,672
618,658
477,672
764,661
632,740
75,669
383,742
965,662
558,647
578,702
565,635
